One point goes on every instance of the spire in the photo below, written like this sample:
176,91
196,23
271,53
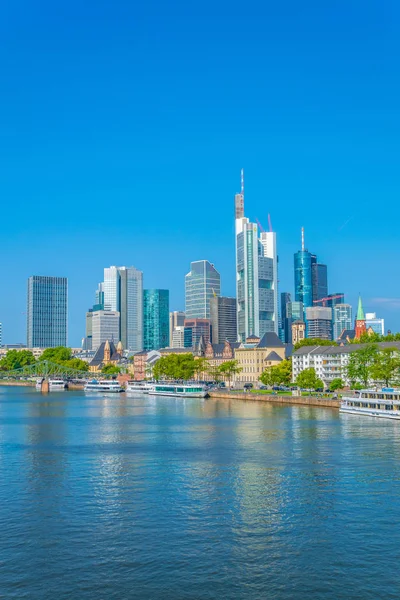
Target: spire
360,310
242,182
302,239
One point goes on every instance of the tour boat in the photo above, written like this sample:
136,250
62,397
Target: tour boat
190,390
109,386
55,385
383,403
138,387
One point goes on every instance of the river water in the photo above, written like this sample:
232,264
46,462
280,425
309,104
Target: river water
163,498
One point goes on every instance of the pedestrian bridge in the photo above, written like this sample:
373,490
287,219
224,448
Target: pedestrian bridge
45,368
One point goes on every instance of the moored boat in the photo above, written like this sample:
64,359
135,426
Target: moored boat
182,390
103,385
138,387
384,403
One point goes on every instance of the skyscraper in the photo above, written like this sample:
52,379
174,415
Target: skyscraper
319,322
123,292
256,276
155,319
47,312
176,319
342,319
284,325
223,319
201,283
303,281
319,275
105,327
195,330
377,325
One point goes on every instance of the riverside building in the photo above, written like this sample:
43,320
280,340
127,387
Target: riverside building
47,312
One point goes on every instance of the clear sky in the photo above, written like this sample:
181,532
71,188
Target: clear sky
124,126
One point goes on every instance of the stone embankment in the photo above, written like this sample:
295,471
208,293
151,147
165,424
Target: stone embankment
16,382
290,400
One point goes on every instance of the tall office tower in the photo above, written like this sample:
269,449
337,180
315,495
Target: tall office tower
256,276
319,322
377,325
342,319
303,281
223,319
319,277
294,313
87,340
155,319
178,337
99,298
284,324
105,326
123,292
194,330
47,312
201,283
176,319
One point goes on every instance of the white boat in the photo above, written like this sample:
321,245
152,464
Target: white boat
39,383
190,390
55,385
138,387
109,386
384,403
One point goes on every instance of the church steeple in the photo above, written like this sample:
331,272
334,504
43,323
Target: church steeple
360,324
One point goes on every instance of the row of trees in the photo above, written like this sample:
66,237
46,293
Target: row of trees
16,359
373,363
185,366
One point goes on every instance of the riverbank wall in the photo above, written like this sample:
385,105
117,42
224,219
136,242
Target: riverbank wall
290,400
16,382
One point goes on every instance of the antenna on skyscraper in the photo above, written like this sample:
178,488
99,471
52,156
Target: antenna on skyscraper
242,182
302,239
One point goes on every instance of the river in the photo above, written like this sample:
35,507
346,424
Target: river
162,498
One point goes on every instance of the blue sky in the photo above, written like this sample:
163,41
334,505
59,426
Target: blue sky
125,125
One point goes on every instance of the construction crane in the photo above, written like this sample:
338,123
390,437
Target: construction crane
327,298
269,224
260,226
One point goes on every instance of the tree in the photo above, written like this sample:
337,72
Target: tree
201,366
77,364
110,370
314,342
308,379
59,355
16,359
230,368
278,375
358,369
175,366
386,366
336,384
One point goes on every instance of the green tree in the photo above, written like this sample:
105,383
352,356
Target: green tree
59,355
201,367
314,342
367,338
77,364
16,359
278,375
386,366
110,370
175,366
336,384
230,368
358,369
308,379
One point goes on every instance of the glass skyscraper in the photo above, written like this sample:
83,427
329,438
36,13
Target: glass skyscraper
155,319
47,312
201,283
123,292
319,281
303,284
342,319
223,319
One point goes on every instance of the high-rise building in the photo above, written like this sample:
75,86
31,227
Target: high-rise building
155,319
342,319
201,283
47,312
105,327
223,319
294,312
284,334
377,325
176,319
123,292
256,276
319,276
195,330
1,335
303,280
178,337
319,322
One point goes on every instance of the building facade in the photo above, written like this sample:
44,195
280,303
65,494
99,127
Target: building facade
298,331
123,292
319,273
47,310
176,319
195,332
201,283
342,319
155,319
255,355
319,322
105,326
303,274
373,322
223,319
284,334
178,337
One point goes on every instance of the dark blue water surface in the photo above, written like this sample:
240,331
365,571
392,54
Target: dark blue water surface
120,498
